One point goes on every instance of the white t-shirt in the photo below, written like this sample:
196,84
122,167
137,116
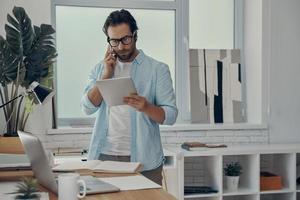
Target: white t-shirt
119,127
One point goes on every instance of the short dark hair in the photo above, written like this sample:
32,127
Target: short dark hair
119,17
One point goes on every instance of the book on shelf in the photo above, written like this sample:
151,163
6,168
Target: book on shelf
195,146
99,166
199,190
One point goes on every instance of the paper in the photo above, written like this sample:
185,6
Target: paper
137,182
99,166
117,167
75,165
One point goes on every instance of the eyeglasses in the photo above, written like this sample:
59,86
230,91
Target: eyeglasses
126,40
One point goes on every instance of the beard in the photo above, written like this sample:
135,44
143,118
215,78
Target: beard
125,56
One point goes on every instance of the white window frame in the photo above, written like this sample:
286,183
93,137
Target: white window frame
181,46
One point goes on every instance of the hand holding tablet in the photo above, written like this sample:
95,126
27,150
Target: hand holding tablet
114,90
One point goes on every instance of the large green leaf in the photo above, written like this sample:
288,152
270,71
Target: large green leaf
34,49
41,56
19,33
8,63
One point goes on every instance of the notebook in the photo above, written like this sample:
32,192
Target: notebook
196,146
99,166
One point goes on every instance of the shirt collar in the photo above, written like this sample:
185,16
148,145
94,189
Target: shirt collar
140,57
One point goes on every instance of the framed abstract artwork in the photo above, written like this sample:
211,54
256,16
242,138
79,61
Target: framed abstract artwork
216,86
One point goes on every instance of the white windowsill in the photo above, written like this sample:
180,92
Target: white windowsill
176,127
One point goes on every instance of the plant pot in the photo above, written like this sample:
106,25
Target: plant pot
232,182
11,145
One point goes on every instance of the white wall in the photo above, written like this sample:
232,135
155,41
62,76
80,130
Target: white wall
38,11
285,71
272,49
252,54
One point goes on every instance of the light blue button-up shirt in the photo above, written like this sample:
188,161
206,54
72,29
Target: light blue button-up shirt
153,81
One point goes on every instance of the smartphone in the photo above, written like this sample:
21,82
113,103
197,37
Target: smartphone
113,52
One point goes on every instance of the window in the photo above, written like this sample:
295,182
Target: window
81,43
211,24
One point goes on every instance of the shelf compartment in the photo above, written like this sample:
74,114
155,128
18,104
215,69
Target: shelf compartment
192,196
204,171
286,196
249,177
284,190
240,191
281,164
202,198
241,197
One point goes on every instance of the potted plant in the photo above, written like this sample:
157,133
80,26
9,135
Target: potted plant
27,189
232,173
26,55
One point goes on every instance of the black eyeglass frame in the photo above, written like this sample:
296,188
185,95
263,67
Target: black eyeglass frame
121,40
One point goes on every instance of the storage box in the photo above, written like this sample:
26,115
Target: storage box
269,181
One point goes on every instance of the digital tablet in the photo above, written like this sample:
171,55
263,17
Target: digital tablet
113,90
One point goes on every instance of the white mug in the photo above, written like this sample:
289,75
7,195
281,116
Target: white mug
69,187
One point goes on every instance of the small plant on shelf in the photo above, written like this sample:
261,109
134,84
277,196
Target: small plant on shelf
232,173
233,169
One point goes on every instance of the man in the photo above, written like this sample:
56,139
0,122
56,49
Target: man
130,132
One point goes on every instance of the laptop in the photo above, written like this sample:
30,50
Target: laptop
43,172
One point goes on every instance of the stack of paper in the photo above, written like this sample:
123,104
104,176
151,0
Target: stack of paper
11,161
99,166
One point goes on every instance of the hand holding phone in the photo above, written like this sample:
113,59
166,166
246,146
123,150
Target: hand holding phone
110,59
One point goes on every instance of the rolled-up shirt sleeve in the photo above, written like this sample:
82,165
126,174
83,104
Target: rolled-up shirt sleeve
165,96
86,105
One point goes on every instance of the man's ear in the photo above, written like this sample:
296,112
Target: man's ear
135,37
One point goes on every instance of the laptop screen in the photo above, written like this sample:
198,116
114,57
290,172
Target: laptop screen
38,160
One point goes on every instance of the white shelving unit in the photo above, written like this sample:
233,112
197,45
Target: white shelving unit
281,159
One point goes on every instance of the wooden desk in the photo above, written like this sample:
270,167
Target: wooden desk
148,194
